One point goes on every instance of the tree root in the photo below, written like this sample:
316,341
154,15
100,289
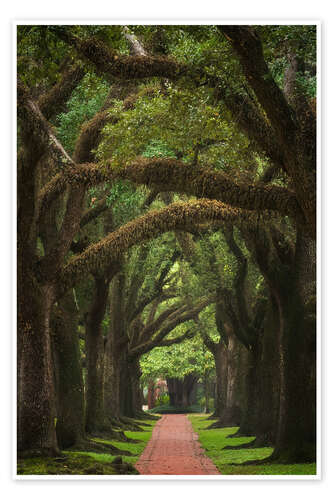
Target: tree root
111,435
52,453
130,424
90,445
240,446
146,416
213,416
221,425
123,467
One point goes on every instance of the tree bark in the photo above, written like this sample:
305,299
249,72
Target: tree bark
296,435
70,426
95,358
36,395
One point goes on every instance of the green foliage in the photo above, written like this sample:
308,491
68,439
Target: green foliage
175,121
125,200
298,39
85,101
36,44
176,360
202,403
162,400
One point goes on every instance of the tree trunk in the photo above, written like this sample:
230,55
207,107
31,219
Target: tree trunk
68,374
268,381
248,425
112,387
220,367
126,388
36,395
297,416
95,358
135,374
232,360
151,395
296,436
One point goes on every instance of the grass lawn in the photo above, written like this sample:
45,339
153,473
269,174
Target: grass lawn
87,463
214,441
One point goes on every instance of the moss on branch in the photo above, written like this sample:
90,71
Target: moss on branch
176,216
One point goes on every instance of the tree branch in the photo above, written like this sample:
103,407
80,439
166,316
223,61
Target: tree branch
176,216
173,175
177,340
111,64
247,45
40,126
52,102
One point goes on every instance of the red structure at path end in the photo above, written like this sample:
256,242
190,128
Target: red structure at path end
174,450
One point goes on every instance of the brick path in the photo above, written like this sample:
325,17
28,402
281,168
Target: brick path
174,449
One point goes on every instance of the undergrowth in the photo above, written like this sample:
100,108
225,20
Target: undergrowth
166,409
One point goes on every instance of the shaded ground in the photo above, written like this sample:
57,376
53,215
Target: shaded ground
214,442
174,450
90,463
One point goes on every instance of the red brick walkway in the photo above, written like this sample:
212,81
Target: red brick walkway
174,449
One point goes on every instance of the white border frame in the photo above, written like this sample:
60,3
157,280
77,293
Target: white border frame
121,21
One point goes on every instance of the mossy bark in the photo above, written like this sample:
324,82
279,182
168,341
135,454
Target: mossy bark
95,358
68,374
296,435
220,396
36,395
292,282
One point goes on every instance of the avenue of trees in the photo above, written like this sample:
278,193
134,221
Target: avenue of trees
166,197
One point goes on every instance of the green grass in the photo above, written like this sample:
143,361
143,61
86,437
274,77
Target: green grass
214,441
135,448
86,462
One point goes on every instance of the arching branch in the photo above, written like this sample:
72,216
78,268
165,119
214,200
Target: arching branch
181,316
177,340
173,175
99,207
111,64
176,216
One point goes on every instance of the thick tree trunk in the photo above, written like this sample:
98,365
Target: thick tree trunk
112,387
296,435
260,413
126,389
248,425
95,358
135,374
68,374
36,395
151,395
220,367
180,391
268,382
231,365
235,358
